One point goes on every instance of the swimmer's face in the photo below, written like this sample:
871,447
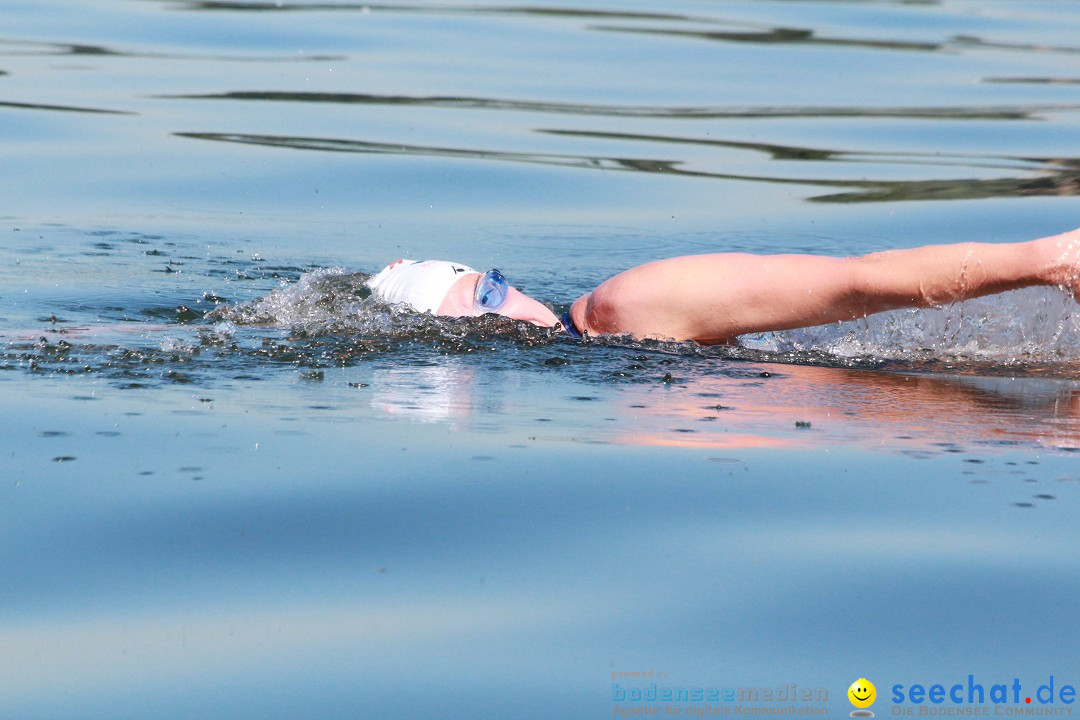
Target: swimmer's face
862,693
460,302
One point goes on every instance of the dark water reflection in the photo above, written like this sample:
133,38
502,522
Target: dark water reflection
1055,176
678,113
630,141
783,36
26,48
1034,80
748,32
61,108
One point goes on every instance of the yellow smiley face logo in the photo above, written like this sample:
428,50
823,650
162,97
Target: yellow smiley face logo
862,693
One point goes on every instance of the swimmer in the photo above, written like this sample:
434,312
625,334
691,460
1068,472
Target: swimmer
714,298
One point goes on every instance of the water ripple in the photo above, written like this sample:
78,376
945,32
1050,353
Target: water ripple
737,31
687,112
778,36
31,48
61,108
1059,177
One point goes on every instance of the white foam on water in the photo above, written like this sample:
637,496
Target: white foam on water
1032,325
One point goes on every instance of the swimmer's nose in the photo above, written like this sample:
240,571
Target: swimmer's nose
520,306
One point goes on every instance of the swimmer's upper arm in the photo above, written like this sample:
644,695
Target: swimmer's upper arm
686,298
714,298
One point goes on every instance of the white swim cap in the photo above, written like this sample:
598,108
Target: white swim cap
421,285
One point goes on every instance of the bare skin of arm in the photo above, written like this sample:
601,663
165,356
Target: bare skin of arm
714,298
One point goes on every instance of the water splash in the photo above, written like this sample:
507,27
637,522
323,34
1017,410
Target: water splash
328,318
1032,327
335,301
323,300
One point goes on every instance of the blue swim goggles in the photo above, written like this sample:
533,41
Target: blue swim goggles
491,292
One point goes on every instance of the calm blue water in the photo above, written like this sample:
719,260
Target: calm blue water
230,488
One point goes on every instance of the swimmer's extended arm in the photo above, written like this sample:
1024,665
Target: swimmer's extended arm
714,298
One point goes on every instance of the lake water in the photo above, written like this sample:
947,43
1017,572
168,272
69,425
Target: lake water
230,486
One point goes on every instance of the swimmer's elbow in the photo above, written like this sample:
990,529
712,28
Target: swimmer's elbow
607,310
615,310
597,313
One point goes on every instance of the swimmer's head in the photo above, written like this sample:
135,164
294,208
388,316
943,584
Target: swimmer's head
456,290
420,285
